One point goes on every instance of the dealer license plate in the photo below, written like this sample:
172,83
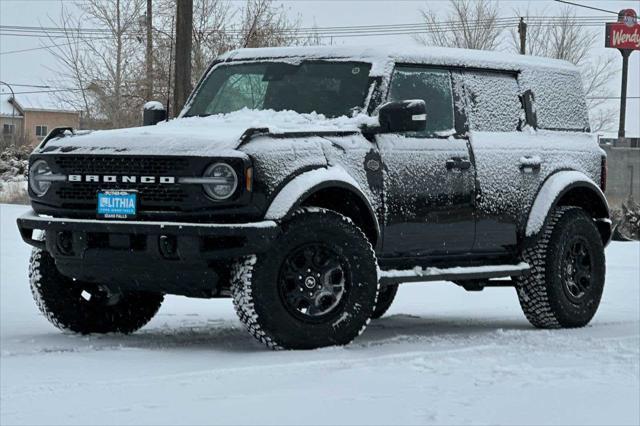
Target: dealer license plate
117,204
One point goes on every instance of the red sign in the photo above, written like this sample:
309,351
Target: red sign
624,34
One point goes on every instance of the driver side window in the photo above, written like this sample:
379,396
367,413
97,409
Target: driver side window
431,85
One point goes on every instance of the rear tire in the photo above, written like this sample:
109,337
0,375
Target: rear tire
83,307
565,284
315,287
385,299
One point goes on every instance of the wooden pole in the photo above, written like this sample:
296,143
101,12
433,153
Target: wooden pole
522,30
149,53
184,29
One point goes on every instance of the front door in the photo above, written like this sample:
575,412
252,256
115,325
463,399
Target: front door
428,176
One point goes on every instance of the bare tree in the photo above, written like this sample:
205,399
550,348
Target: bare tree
117,80
476,25
101,68
263,24
67,49
105,70
566,39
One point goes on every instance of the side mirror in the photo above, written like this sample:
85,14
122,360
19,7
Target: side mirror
403,116
153,113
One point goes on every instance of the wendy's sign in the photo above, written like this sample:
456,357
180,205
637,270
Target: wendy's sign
624,34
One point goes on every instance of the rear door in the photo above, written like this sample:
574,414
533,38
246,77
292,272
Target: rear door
428,175
508,158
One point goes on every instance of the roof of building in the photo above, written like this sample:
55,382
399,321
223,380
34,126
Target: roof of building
29,102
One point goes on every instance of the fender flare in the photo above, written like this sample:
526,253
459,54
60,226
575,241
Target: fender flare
552,191
302,186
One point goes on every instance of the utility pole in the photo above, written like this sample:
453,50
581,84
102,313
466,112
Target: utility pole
522,30
184,29
149,53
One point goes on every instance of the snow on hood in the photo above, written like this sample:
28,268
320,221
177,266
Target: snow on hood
215,135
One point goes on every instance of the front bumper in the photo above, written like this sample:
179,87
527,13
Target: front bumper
194,240
171,257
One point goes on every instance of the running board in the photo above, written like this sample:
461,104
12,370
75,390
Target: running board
419,274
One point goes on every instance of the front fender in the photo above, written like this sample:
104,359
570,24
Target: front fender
554,189
298,189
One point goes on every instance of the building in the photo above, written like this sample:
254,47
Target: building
28,119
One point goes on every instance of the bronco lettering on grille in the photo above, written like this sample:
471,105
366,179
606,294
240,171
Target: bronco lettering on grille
122,179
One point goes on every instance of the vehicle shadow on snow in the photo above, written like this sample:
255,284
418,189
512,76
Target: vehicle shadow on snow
230,336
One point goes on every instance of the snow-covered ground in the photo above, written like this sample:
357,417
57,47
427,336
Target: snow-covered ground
440,356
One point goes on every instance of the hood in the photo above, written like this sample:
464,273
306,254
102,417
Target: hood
216,135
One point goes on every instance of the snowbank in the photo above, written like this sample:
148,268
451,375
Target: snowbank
440,356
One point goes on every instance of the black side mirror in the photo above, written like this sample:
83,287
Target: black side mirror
403,116
153,113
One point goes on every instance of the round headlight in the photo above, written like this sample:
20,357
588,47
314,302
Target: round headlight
222,181
39,177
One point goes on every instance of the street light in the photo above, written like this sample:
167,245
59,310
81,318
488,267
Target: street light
13,112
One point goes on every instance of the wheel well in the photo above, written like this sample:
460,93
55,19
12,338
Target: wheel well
348,204
590,201
587,199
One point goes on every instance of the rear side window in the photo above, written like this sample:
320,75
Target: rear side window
492,102
431,85
559,99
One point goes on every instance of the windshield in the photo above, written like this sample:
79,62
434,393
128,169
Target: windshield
329,88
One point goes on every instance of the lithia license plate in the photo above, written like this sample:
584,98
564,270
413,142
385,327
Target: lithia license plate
117,204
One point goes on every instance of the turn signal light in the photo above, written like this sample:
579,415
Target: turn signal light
249,179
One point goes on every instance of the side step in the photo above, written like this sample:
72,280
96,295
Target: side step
419,274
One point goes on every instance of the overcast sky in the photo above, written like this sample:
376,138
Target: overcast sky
30,67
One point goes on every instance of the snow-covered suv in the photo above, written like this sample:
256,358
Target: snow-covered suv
307,183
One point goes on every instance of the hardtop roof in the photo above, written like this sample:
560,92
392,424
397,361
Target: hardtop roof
383,57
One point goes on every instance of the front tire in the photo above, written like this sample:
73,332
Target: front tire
315,287
83,307
565,284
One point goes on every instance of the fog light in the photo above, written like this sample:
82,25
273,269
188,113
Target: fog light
169,246
65,243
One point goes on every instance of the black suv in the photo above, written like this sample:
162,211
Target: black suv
307,183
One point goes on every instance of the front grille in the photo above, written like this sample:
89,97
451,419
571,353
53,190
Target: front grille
165,197
151,166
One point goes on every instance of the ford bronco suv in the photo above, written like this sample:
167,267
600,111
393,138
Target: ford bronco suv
306,183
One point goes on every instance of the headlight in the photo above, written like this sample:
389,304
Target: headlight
222,181
40,177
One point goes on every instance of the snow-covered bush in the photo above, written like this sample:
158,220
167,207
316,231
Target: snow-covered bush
13,175
626,221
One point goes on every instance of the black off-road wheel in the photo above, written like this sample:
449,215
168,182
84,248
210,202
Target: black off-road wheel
83,307
315,287
385,299
565,284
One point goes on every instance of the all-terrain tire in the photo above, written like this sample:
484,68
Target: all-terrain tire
385,299
261,288
566,280
81,307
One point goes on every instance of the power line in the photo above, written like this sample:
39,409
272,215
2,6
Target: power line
35,48
444,25
585,6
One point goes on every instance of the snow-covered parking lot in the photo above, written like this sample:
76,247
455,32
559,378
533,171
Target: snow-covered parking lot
440,356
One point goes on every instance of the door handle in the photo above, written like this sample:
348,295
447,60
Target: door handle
530,163
457,163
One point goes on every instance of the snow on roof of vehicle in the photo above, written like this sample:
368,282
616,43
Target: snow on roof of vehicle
383,56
